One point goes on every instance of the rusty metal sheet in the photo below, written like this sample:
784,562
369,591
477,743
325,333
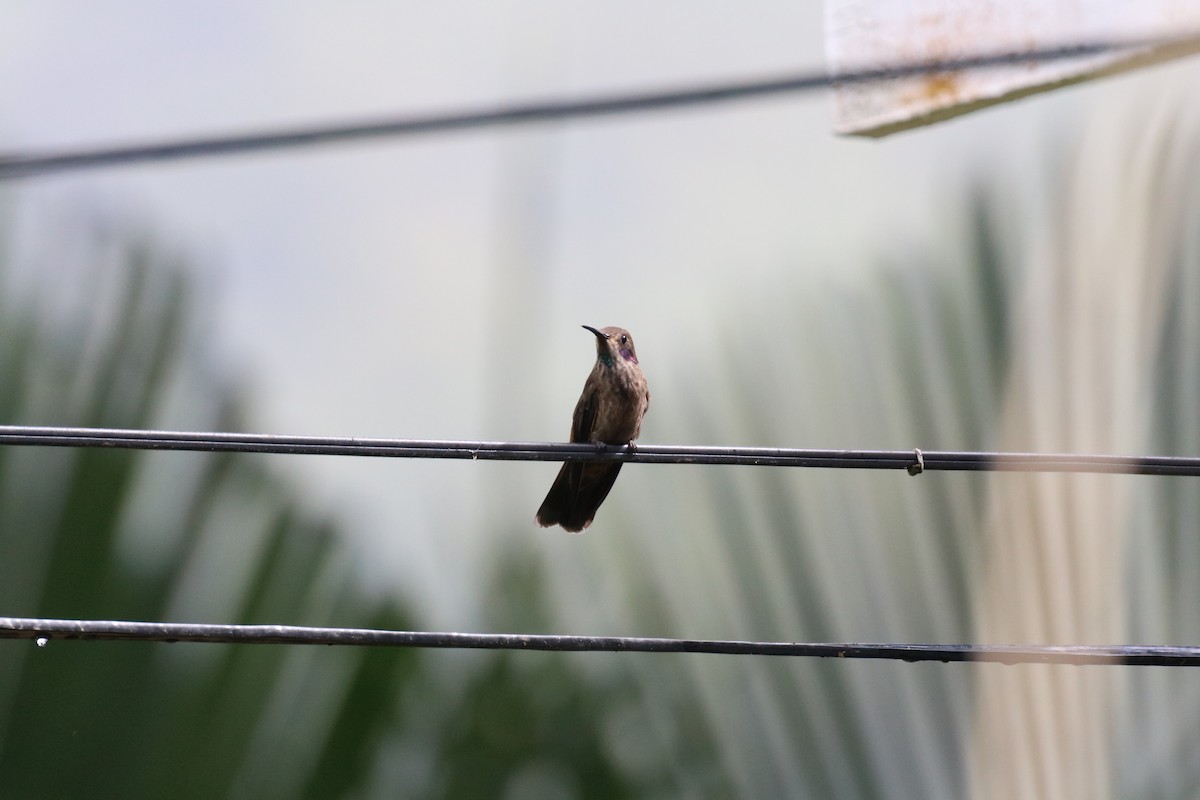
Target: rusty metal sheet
873,33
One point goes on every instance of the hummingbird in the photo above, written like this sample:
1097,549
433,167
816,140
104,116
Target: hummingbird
610,410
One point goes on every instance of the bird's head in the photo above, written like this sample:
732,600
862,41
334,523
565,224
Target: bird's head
613,343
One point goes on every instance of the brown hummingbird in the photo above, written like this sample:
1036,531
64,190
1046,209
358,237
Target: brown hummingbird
609,411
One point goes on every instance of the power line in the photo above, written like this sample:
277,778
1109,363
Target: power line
914,461
19,165
45,630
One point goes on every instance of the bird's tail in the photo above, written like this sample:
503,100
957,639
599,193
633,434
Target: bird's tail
577,492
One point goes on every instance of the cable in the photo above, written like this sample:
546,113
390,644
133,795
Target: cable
45,630
24,435
19,165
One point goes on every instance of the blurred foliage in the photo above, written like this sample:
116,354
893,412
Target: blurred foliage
1077,329
1081,334
841,555
94,533
89,533
537,724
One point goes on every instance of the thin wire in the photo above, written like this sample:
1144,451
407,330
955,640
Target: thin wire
25,435
23,165
45,630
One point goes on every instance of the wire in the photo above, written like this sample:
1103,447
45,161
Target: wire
19,165
23,435
44,630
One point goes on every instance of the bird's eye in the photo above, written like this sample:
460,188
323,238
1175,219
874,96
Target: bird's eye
624,339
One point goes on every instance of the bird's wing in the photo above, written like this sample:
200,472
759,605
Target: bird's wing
584,421
582,425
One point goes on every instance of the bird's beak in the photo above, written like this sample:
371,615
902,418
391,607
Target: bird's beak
599,334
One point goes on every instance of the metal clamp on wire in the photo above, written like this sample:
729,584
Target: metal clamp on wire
918,466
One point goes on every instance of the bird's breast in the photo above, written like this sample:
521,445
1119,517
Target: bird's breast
621,405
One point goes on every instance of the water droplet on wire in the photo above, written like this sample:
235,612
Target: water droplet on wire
42,641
